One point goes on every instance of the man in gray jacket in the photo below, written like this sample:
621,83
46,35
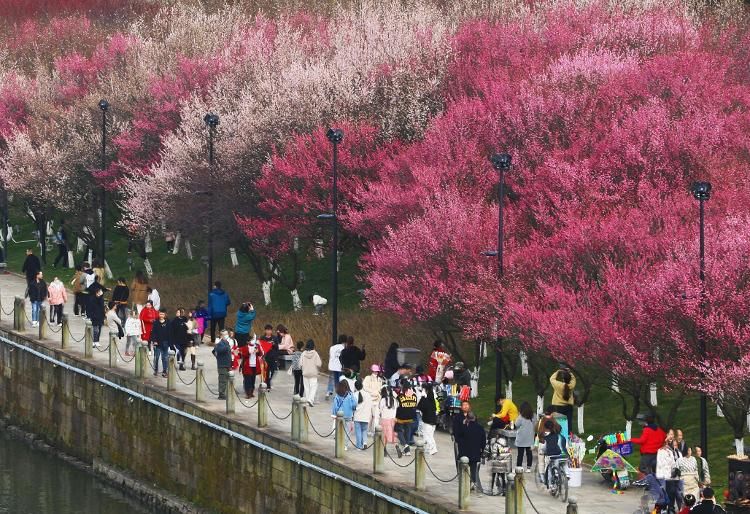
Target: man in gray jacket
223,353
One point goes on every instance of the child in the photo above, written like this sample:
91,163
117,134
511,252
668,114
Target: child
193,338
344,401
235,350
388,406
132,332
296,368
362,415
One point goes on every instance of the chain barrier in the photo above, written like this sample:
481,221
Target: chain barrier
214,393
435,475
3,310
117,347
181,380
243,403
276,415
396,463
525,492
367,446
75,339
98,349
54,327
309,421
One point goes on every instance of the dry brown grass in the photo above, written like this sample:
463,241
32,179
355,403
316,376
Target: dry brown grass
376,330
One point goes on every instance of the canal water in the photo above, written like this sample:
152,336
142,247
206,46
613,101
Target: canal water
36,482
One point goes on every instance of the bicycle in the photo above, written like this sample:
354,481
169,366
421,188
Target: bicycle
557,484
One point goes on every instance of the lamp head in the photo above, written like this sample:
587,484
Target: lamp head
701,190
103,105
501,161
335,135
212,120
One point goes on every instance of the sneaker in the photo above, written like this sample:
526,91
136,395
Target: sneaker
164,374
59,324
222,397
433,452
156,374
96,345
528,470
398,451
407,450
34,323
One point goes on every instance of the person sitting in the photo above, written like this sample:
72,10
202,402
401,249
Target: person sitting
707,504
506,413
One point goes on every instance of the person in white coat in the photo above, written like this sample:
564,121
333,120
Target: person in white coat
362,415
372,384
310,364
334,364
132,332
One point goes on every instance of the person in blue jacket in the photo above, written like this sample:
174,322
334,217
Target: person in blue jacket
345,402
244,324
218,301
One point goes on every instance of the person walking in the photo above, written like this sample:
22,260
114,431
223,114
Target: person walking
31,266
334,364
704,474
362,415
310,364
391,363
37,294
387,406
148,316
286,343
428,407
61,241
525,424
406,413
201,318
120,295
244,324
88,279
160,332
96,313
651,439
688,466
344,401
218,301
79,304
179,337
193,337
351,356
132,333
97,266
251,359
139,291
470,441
373,383
113,323
563,383
57,296
296,369
223,353
154,297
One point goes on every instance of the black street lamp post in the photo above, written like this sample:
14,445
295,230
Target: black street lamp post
702,192
335,136
104,106
502,163
212,121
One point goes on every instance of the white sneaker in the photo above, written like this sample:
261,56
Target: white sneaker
96,345
34,323
528,470
433,452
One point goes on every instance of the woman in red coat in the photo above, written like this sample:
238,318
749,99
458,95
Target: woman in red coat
251,364
439,360
147,316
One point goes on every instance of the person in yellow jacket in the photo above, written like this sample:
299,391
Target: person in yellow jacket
563,383
506,413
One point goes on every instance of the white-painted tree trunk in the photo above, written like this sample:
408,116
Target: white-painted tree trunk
296,302
31,214
748,421
539,405
719,412
580,420
266,286
615,385
189,249
652,392
628,429
509,390
739,445
71,260
475,383
295,244
177,241
524,363
49,229
483,350
319,251
107,270
147,265
233,257
80,246
90,256
338,260
147,244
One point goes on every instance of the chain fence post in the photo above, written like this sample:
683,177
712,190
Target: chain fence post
419,467
112,350
572,506
1,305
142,351
18,312
464,483
65,331
262,406
42,320
171,371
231,394
88,340
378,451
200,394
304,422
295,417
519,483
340,435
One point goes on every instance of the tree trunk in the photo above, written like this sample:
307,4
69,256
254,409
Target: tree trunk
296,302
266,287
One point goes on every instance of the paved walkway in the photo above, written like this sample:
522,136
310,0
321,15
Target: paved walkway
593,497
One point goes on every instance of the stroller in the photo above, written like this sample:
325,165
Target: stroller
499,460
450,405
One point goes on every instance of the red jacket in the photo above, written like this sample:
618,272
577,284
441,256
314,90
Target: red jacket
244,352
652,438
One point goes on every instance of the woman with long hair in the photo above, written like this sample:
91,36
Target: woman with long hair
139,291
563,383
524,435
391,360
387,407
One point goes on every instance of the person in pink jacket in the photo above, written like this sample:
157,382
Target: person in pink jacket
58,295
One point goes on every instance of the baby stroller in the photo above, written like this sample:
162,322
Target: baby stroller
450,405
499,460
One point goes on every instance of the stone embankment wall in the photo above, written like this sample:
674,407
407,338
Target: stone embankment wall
187,457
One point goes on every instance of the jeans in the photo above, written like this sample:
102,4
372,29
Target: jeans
248,383
405,432
360,432
160,352
333,379
223,380
519,458
299,386
35,306
310,387
216,322
97,331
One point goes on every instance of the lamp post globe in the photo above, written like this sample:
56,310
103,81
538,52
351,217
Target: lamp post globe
103,104
501,161
701,190
335,135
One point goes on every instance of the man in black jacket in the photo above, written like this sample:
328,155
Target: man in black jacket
351,356
37,294
31,266
707,505
160,332
470,440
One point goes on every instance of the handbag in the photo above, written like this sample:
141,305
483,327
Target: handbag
120,331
